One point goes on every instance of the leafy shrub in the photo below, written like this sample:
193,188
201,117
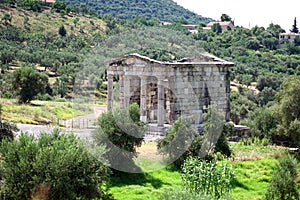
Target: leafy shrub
182,140
44,97
208,178
283,184
7,129
121,131
8,95
54,166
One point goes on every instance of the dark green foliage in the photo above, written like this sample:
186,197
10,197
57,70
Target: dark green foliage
121,132
33,5
162,10
52,166
182,140
216,28
28,83
6,19
208,178
240,106
114,125
62,31
295,28
253,44
288,100
225,18
283,184
7,129
222,145
59,6
262,123
266,96
215,131
273,82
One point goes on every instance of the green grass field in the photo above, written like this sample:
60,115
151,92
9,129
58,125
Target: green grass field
253,175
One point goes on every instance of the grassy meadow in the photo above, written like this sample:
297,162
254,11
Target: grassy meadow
253,165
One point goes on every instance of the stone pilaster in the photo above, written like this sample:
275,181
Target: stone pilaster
160,103
110,92
143,100
126,86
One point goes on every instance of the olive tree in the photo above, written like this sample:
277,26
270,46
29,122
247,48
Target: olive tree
288,109
28,82
121,131
52,166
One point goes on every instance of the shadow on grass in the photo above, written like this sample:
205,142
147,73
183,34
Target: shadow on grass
173,168
240,185
142,179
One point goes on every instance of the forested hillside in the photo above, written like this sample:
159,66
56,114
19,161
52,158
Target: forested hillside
162,10
53,40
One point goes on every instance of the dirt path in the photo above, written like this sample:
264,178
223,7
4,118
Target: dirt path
86,121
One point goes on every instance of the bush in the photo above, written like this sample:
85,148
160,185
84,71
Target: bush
44,97
7,129
208,178
283,184
121,132
52,166
182,140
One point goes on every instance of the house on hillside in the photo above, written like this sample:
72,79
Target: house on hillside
165,23
224,25
288,37
191,28
49,2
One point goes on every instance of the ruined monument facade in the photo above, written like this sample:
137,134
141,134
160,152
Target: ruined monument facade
167,90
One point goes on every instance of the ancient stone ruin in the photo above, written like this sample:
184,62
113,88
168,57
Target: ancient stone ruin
166,90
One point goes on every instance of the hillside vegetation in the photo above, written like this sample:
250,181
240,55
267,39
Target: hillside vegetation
162,10
48,22
57,40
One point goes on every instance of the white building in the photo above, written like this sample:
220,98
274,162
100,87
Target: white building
288,37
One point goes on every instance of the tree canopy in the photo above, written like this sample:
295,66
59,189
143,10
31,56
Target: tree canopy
295,28
161,10
28,83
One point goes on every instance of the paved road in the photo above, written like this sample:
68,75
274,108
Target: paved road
82,133
36,129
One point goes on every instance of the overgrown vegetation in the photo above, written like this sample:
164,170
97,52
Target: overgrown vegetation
52,166
121,131
182,140
208,178
283,184
7,129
